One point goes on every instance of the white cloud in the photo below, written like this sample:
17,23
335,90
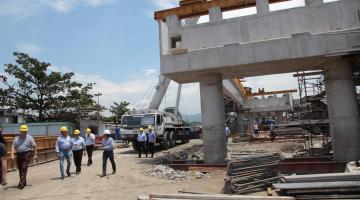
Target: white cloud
29,48
68,5
165,4
20,9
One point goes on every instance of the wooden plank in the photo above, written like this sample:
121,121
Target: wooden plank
202,8
214,197
317,185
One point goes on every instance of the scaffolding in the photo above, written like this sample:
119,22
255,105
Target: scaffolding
312,106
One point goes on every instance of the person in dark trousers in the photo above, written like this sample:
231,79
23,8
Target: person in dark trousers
152,140
108,146
3,162
272,131
63,150
25,148
78,149
256,129
90,143
141,138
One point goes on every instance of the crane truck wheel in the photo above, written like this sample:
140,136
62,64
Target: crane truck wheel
135,145
166,141
172,139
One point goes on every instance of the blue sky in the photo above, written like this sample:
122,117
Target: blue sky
111,42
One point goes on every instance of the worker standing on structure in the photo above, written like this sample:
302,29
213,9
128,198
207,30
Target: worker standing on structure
108,146
90,144
63,150
141,138
152,140
25,148
272,131
227,132
256,129
3,161
78,147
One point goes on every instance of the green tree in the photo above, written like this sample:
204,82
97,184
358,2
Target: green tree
119,109
50,94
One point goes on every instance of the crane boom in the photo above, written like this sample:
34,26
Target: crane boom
161,88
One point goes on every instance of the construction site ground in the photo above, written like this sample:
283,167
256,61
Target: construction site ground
129,181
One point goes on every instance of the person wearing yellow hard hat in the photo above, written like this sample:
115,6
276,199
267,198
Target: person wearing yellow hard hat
90,144
25,148
63,150
151,140
141,138
78,147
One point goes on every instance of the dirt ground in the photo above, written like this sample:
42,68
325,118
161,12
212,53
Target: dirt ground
127,183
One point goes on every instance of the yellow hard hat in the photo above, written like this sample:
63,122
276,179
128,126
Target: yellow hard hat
76,132
64,128
88,130
141,129
24,128
149,127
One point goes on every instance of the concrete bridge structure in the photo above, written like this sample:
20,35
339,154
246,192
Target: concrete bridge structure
317,36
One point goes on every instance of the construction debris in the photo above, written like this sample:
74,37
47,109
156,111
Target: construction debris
165,172
321,186
207,197
251,171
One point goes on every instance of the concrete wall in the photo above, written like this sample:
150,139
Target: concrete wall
269,104
277,24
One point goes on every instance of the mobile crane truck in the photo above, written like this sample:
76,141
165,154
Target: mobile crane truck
167,124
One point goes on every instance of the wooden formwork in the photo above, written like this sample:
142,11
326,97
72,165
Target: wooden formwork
45,146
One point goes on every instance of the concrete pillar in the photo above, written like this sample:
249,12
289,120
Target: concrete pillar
262,7
313,2
279,117
213,119
241,122
174,24
215,14
343,110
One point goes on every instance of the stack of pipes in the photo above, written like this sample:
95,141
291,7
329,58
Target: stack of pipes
251,171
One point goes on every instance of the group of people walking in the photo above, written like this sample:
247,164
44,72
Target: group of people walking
24,150
146,141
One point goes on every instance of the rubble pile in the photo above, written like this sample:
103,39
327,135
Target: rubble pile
166,172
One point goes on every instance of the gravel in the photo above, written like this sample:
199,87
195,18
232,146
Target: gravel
165,172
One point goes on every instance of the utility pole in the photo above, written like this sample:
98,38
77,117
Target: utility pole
98,110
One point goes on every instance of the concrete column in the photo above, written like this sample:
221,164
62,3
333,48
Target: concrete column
343,111
213,119
215,14
174,24
262,7
313,2
280,117
241,122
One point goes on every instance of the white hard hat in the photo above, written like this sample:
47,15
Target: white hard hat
107,132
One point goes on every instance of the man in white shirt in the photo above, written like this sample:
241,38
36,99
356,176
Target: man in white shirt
90,143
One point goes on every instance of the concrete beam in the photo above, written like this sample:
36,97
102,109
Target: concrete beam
232,91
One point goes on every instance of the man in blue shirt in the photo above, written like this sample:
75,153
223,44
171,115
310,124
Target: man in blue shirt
78,146
63,150
108,146
272,131
141,138
152,140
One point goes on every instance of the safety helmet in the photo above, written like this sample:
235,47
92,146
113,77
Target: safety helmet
24,128
141,129
149,127
106,132
88,130
64,128
77,132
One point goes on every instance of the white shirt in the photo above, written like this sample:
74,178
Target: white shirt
256,127
90,139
